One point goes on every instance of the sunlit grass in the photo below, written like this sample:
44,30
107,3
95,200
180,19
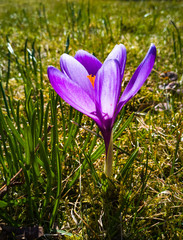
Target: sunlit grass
51,156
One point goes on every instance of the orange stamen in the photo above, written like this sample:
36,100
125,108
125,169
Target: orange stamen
92,79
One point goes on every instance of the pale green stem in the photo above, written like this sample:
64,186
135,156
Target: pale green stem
109,158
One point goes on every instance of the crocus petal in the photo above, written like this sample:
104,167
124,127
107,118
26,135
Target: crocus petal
90,62
107,86
72,93
118,53
138,78
77,73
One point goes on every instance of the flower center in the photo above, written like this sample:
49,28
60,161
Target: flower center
92,79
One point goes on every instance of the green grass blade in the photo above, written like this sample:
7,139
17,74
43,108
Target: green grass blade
5,101
59,181
15,132
128,164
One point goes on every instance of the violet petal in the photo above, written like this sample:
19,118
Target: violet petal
72,93
90,62
118,53
107,87
138,78
77,73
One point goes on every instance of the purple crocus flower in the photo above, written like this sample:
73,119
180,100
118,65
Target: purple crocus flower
94,88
